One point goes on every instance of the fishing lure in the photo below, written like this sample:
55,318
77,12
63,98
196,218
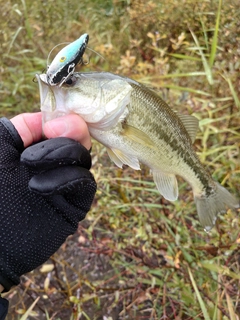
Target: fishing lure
63,65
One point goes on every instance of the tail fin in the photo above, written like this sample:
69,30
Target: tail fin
208,207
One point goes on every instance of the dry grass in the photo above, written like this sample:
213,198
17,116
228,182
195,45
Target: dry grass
137,256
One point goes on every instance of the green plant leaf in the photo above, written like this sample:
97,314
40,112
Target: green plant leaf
200,300
234,94
215,36
220,269
206,66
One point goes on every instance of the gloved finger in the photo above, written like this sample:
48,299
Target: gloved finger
56,152
74,209
10,141
61,180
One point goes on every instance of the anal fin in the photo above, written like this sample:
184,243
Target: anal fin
166,184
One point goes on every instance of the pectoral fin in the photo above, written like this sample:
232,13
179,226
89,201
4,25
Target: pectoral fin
166,184
137,135
190,123
120,158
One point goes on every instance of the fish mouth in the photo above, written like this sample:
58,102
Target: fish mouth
42,78
47,98
48,103
49,79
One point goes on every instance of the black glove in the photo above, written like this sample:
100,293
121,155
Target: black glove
44,193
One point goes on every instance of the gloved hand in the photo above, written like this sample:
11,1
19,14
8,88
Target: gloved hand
44,192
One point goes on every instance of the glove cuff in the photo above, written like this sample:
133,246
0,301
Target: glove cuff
13,132
7,284
8,278
3,308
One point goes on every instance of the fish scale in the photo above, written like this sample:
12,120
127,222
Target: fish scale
137,126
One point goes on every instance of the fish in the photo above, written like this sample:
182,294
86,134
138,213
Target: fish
138,127
63,65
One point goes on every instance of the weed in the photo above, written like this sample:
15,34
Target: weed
137,256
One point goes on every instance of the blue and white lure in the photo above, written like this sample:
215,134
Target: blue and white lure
63,65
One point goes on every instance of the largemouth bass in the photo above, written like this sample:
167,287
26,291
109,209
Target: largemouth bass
137,126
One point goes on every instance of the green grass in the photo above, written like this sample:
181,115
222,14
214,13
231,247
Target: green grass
137,256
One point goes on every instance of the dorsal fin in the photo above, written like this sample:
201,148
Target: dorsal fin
190,123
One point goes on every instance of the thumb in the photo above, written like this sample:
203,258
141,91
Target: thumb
69,126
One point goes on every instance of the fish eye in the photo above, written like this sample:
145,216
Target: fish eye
62,59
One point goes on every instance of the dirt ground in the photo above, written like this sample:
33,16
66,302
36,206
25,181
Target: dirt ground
78,264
